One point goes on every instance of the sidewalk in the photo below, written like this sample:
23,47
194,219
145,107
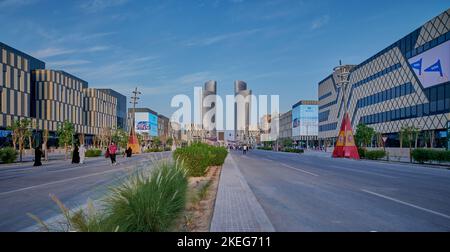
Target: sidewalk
236,208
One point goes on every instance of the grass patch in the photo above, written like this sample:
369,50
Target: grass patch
146,202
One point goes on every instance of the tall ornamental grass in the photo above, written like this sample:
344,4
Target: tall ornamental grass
149,201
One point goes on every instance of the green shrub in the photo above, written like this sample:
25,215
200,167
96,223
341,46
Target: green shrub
217,155
93,153
8,155
294,150
265,148
427,155
375,154
362,152
198,157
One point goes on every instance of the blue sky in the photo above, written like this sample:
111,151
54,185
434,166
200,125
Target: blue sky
168,47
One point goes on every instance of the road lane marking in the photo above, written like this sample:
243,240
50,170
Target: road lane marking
361,171
298,169
408,204
60,181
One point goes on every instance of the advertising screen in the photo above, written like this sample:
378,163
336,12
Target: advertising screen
153,124
142,122
432,67
305,120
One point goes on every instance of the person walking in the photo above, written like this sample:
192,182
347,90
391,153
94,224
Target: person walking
76,155
82,153
37,156
112,152
129,152
244,149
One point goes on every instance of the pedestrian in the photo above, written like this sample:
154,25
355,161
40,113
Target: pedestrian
244,149
82,153
112,152
37,156
76,155
129,152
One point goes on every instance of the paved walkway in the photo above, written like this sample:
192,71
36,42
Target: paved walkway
236,208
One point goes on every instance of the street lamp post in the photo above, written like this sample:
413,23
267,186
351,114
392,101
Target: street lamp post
133,141
345,146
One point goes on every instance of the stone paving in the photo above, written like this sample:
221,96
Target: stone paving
236,208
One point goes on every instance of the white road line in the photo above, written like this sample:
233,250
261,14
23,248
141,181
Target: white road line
298,169
60,181
361,171
406,203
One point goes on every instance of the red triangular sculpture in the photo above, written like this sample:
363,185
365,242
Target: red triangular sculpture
345,145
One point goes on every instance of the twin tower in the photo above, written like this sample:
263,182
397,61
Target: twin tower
241,113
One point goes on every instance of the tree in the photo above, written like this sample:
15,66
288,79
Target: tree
65,134
364,135
20,129
169,141
120,137
105,136
287,143
44,143
408,135
156,142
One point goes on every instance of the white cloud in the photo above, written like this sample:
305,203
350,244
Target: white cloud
320,22
64,63
206,41
93,6
50,52
55,51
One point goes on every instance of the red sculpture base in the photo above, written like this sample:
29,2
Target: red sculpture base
345,145
133,142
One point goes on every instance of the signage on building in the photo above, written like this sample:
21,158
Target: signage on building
305,120
146,123
432,67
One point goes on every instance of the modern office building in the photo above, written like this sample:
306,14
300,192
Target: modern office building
209,90
50,97
405,84
145,121
305,120
163,128
121,107
285,126
16,87
100,111
58,97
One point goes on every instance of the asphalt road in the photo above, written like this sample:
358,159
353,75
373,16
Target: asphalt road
310,193
26,189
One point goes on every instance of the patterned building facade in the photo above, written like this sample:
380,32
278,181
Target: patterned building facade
58,97
16,87
396,87
51,97
100,111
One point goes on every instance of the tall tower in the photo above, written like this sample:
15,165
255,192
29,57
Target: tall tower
210,88
242,112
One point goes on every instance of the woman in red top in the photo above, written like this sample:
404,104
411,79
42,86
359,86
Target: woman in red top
112,152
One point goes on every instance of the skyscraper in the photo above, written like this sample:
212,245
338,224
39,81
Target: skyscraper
209,89
242,111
